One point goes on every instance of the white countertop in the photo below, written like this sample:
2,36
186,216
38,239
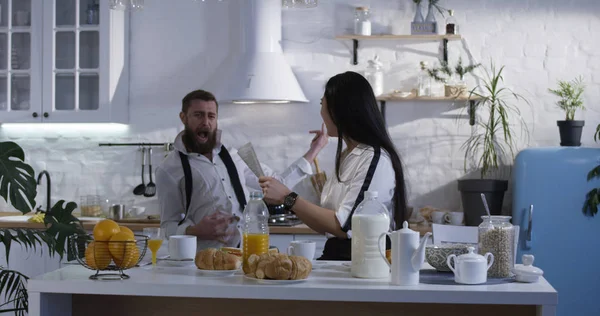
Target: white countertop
329,281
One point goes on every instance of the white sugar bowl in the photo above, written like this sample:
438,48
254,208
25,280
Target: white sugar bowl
526,272
470,268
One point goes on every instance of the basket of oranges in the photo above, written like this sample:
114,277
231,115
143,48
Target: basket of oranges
109,250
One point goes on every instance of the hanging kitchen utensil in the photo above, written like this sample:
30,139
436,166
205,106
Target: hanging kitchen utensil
318,180
141,189
150,187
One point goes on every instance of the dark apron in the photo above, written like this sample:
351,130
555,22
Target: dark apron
231,170
340,249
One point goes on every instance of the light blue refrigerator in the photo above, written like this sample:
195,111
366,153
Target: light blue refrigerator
564,241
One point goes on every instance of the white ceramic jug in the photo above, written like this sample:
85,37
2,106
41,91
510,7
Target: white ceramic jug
470,268
408,255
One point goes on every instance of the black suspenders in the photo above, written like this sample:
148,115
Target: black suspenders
361,195
231,171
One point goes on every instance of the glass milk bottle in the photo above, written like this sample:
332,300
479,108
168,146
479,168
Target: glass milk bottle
256,227
371,219
374,74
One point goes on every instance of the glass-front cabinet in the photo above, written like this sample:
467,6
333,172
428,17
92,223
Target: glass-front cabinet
66,62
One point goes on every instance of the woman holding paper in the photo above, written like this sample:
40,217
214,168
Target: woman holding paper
369,161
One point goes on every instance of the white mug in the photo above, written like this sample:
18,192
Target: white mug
456,218
440,217
304,248
182,247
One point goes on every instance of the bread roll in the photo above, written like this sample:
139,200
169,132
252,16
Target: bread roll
303,267
213,259
233,251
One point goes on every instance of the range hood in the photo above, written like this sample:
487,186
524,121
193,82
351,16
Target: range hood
255,71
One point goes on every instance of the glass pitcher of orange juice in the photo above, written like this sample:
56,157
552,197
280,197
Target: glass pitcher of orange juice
256,227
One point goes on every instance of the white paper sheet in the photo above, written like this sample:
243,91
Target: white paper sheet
248,155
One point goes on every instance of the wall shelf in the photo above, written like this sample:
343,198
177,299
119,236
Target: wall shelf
434,37
383,99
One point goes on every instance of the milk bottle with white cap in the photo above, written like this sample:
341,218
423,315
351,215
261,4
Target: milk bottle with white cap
370,219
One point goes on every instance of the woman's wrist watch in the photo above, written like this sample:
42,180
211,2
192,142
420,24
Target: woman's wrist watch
290,200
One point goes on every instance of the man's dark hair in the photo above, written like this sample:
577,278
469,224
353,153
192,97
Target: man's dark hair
197,95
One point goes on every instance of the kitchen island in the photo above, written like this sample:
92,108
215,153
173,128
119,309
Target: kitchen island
329,290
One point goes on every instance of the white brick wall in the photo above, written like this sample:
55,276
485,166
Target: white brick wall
176,44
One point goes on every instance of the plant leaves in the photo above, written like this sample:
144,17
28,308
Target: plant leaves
17,178
13,289
60,224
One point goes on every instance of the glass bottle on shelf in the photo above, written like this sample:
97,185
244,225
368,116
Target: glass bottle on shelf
374,74
497,235
431,18
451,24
362,23
424,81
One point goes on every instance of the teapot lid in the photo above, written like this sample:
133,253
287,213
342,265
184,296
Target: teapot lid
406,230
527,268
471,256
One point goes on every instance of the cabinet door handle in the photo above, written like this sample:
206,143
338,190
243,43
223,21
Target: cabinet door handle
46,114
34,114
530,222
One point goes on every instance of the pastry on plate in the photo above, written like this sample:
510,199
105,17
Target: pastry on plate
278,266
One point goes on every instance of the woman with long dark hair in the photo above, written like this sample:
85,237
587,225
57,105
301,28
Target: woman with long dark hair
369,161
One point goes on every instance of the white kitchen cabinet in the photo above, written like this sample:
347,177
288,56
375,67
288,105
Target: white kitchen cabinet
62,67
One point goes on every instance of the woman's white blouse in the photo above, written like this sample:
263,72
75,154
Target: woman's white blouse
340,196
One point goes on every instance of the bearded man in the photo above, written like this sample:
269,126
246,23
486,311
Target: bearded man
203,186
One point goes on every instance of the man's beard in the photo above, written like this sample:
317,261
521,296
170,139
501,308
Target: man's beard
190,139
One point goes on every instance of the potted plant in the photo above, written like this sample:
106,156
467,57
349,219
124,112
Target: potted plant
18,188
453,79
490,147
570,94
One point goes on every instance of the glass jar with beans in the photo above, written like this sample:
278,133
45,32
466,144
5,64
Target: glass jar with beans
497,235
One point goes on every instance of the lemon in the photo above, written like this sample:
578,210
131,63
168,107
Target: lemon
122,248
105,229
97,255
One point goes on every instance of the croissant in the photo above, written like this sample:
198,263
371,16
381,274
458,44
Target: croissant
277,266
214,259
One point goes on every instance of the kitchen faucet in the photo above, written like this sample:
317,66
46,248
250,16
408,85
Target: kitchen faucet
39,179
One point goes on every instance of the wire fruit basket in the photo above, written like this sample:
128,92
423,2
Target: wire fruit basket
108,258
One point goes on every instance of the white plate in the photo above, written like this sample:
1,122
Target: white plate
218,273
267,281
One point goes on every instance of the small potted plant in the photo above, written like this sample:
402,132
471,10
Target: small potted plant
491,146
570,94
453,79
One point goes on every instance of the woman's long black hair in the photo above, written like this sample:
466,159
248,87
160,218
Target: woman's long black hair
353,109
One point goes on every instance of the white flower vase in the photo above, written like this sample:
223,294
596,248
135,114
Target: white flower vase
431,18
418,15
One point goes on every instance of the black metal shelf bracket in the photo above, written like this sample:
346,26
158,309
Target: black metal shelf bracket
472,112
445,49
354,51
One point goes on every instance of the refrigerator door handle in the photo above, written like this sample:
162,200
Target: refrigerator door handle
530,222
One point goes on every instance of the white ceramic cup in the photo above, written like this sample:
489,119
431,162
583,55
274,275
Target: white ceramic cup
440,217
182,247
456,218
304,248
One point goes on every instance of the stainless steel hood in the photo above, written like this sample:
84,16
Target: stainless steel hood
255,71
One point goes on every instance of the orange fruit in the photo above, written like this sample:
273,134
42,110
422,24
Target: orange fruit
97,255
133,258
127,230
122,248
105,229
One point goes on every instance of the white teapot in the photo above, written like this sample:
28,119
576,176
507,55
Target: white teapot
470,268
